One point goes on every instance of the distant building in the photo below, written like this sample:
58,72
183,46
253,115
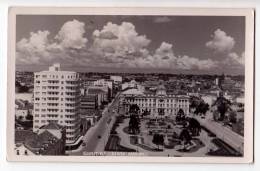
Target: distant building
106,84
158,104
100,92
22,109
21,113
240,100
209,98
217,81
116,79
227,83
91,116
88,82
132,84
56,99
49,140
89,101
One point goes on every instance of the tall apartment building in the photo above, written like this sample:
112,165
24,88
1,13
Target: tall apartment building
56,99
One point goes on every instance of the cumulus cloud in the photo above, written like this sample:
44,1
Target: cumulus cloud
41,48
187,63
71,35
30,50
164,58
119,41
117,46
162,19
234,59
221,42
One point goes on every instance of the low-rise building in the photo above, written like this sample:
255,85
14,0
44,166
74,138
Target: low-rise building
49,140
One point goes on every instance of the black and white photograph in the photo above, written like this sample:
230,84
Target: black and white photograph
173,85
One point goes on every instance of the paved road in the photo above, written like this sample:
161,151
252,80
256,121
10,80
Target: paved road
230,137
98,136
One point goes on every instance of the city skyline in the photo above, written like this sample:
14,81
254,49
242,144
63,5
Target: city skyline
130,44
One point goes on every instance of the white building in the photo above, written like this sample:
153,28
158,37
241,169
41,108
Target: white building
116,79
56,99
132,84
21,113
159,104
105,84
209,98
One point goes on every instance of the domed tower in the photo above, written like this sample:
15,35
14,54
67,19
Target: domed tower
161,90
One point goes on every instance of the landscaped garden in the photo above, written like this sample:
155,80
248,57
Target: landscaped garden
164,134
176,136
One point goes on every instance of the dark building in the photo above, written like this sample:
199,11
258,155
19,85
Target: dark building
89,102
49,140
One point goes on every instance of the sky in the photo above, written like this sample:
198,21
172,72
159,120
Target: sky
165,44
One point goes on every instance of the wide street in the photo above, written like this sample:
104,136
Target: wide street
227,135
97,136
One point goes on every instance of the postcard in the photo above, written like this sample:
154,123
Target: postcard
158,85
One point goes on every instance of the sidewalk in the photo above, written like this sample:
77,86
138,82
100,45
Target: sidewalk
230,137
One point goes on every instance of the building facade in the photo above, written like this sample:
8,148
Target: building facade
56,99
49,140
158,103
89,102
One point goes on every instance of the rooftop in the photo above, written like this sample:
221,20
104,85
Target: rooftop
95,91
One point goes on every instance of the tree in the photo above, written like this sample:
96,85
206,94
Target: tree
215,115
158,139
194,102
180,115
134,124
223,105
145,113
134,109
202,108
185,137
232,117
29,117
194,127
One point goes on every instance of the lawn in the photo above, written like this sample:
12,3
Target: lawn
113,144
